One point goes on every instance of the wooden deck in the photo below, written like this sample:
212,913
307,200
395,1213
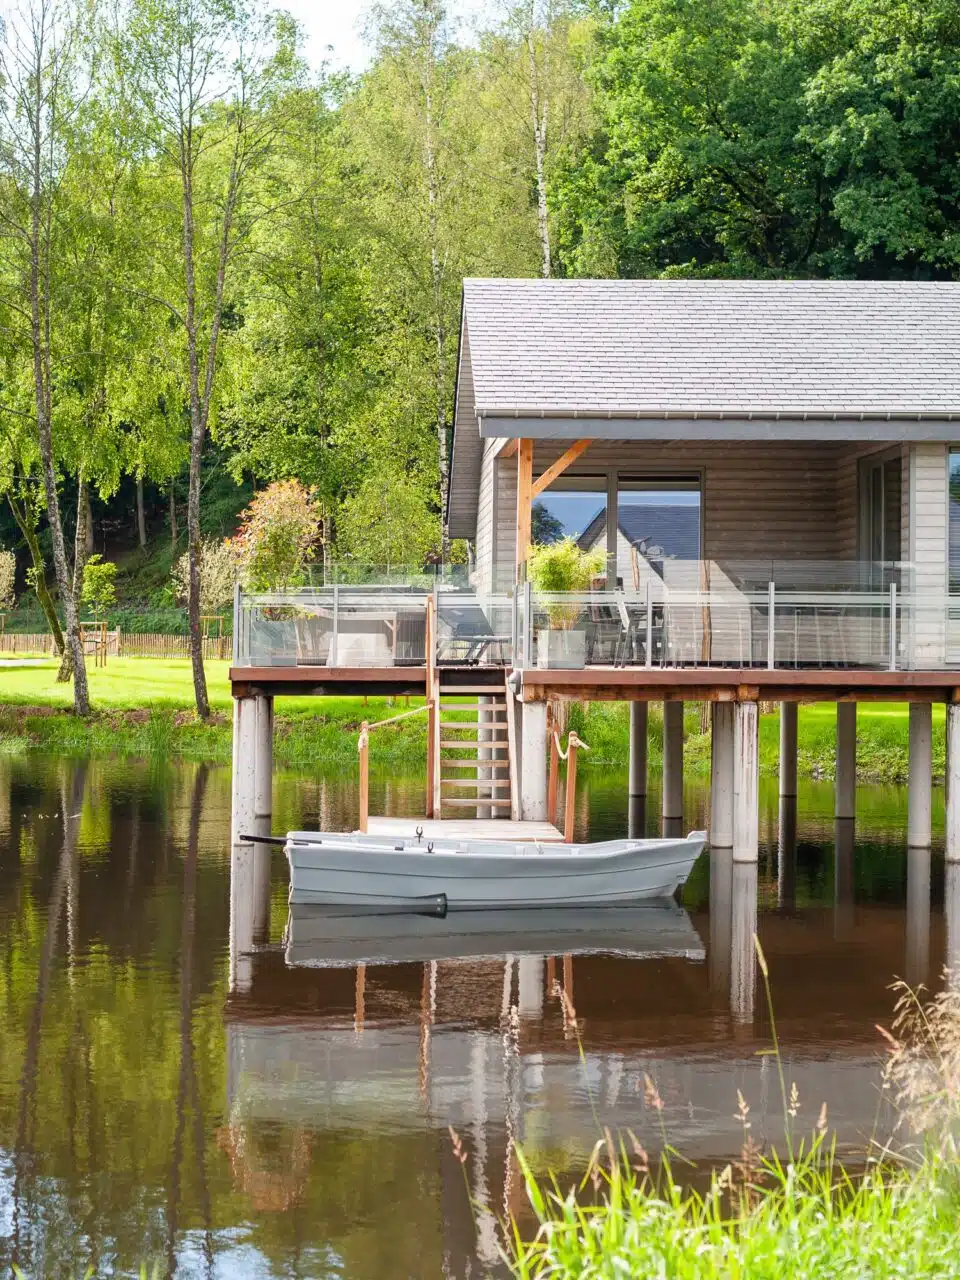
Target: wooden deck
740,684
467,829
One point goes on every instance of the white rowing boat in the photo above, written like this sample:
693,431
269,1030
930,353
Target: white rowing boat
362,870
328,937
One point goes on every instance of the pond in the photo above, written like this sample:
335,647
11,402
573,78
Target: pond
167,1098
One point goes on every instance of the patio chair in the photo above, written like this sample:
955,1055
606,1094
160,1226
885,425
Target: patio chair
469,635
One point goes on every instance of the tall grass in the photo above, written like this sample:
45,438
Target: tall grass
797,1214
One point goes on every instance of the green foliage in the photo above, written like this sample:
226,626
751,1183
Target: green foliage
388,521
744,138
99,591
218,573
278,532
8,570
563,566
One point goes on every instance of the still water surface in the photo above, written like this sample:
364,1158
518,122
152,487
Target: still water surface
164,1097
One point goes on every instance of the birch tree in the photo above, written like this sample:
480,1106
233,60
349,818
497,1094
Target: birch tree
205,72
42,63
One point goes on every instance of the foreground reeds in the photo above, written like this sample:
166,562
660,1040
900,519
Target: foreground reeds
800,1214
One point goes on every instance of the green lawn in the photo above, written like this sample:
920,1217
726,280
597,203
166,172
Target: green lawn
137,684
310,729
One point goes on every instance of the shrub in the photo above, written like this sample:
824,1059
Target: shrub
99,590
279,531
8,570
218,573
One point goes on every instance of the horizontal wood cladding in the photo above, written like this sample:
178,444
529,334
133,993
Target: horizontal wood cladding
486,515
759,500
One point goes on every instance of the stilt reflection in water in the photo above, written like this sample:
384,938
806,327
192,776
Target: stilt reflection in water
918,916
743,947
951,909
787,854
843,880
637,817
721,905
249,909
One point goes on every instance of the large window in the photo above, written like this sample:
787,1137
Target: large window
572,508
658,522
880,488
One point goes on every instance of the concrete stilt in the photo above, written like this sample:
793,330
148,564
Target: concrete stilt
638,749
721,776
672,800
951,911
746,765
843,877
952,847
721,905
845,792
530,987
787,854
637,788
920,780
533,762
263,790
743,949
788,750
918,915
243,808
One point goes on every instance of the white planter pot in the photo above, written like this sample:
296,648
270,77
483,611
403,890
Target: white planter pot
558,648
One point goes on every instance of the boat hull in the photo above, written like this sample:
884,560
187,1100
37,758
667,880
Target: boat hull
382,872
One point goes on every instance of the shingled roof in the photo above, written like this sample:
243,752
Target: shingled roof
751,358
683,347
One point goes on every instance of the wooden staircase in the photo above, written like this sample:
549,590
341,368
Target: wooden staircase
475,759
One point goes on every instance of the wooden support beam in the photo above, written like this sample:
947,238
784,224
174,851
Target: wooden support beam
524,500
559,467
509,449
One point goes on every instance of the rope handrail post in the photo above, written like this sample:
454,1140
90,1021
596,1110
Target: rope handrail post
363,750
574,742
554,773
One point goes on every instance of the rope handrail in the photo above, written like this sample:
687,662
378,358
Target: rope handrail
573,739
377,724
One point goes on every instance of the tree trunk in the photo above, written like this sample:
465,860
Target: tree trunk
141,518
538,111
436,278
81,554
29,533
40,341
87,525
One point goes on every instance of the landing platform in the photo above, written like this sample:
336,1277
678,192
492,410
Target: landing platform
466,829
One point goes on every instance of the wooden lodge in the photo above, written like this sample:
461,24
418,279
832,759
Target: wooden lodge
769,468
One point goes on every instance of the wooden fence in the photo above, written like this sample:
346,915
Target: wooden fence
139,645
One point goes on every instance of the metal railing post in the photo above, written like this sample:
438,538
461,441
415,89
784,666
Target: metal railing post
236,625
771,625
515,656
893,626
527,624
649,627
336,624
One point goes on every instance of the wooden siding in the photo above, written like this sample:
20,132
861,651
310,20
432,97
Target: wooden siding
505,515
462,512
486,509
759,500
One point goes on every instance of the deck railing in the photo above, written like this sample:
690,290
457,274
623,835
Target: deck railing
789,614
386,626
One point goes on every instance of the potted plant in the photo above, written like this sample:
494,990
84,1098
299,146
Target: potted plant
560,567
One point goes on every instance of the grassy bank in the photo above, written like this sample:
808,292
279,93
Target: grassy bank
808,1220
143,706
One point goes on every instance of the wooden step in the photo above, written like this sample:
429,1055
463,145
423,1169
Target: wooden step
488,801
468,706
494,763
485,690
451,744
474,783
